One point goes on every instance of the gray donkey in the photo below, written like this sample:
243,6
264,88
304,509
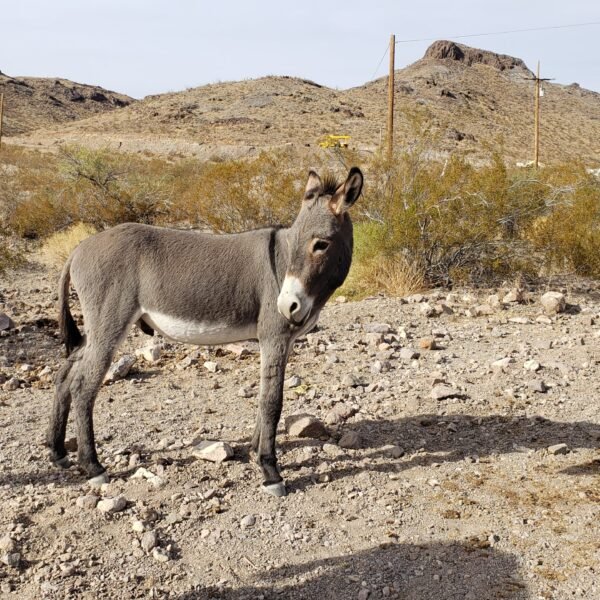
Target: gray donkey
198,288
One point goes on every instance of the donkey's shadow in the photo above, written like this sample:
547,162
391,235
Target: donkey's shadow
428,439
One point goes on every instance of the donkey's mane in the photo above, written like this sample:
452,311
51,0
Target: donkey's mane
330,184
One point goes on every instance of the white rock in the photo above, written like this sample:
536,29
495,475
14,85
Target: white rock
211,366
149,541
150,354
11,385
248,521
293,381
553,302
213,451
120,369
7,544
441,392
138,526
11,559
532,365
377,328
558,449
112,505
502,364
160,555
87,502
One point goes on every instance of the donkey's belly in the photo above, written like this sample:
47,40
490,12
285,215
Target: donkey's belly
197,332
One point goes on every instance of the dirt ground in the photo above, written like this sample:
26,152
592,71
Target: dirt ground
490,489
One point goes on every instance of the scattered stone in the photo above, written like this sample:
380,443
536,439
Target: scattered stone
238,349
189,360
248,521
151,354
292,382
374,339
211,366
120,369
11,559
364,594
160,555
532,365
502,364
515,296
415,299
138,526
553,302
304,425
427,343
149,541
350,380
11,384
558,449
428,311
339,413
87,502
537,386
380,366
481,310
6,322
245,392
213,451
377,328
441,392
350,440
544,320
408,354
7,544
112,505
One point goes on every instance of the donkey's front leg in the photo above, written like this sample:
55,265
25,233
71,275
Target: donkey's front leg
273,358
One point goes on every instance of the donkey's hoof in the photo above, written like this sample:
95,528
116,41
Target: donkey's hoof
62,463
99,479
275,489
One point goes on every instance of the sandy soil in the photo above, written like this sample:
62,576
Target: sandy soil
464,497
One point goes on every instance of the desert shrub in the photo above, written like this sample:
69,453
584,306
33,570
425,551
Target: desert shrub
56,248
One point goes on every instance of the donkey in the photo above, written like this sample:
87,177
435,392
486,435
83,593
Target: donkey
267,284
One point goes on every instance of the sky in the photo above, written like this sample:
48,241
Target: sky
142,47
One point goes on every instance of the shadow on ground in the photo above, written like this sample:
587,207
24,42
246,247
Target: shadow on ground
453,571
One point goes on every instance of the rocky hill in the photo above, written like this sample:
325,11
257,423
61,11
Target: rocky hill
473,100
34,102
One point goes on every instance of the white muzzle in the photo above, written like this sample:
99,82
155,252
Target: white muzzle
292,302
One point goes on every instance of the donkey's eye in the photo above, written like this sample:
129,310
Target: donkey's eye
320,246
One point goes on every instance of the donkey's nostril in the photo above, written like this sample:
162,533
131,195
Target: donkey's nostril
293,307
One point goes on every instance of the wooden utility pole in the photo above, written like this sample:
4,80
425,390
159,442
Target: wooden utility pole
390,119
1,115
536,115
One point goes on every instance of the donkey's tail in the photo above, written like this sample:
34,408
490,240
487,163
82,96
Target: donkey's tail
70,335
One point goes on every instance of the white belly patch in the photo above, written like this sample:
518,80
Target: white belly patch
203,333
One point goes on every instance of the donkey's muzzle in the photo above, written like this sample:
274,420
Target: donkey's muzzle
293,303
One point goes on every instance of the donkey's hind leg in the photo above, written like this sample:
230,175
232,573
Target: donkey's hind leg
57,428
85,382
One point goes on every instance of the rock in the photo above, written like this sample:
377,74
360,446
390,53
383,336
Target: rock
515,296
441,392
150,354
213,451
377,328
292,382
494,301
189,360
532,365
138,526
481,310
350,380
339,413
350,440
6,322
304,425
543,319
558,449
211,366
7,544
248,521
426,343
408,354
87,502
502,364
537,386
120,369
380,366
11,559
245,392
11,385
149,541
428,311
553,302
160,555
374,339
415,299
112,505
363,594
238,349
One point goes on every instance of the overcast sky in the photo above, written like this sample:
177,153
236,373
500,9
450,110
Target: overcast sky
142,47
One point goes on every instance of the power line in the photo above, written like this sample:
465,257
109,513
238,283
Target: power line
454,37
377,68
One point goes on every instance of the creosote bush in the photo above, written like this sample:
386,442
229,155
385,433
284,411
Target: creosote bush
422,221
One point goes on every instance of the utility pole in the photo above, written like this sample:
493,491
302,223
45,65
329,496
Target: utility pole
536,115
390,119
1,115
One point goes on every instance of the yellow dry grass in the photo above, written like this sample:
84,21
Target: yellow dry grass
57,247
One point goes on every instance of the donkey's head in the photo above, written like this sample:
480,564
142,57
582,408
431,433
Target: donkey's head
319,245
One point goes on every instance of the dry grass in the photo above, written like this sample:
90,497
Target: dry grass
57,248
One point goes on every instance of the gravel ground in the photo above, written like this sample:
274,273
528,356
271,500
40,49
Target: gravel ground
459,461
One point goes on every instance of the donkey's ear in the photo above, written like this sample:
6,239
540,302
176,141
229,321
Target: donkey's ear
314,186
347,193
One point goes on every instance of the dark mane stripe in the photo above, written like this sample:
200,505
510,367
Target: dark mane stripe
330,184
